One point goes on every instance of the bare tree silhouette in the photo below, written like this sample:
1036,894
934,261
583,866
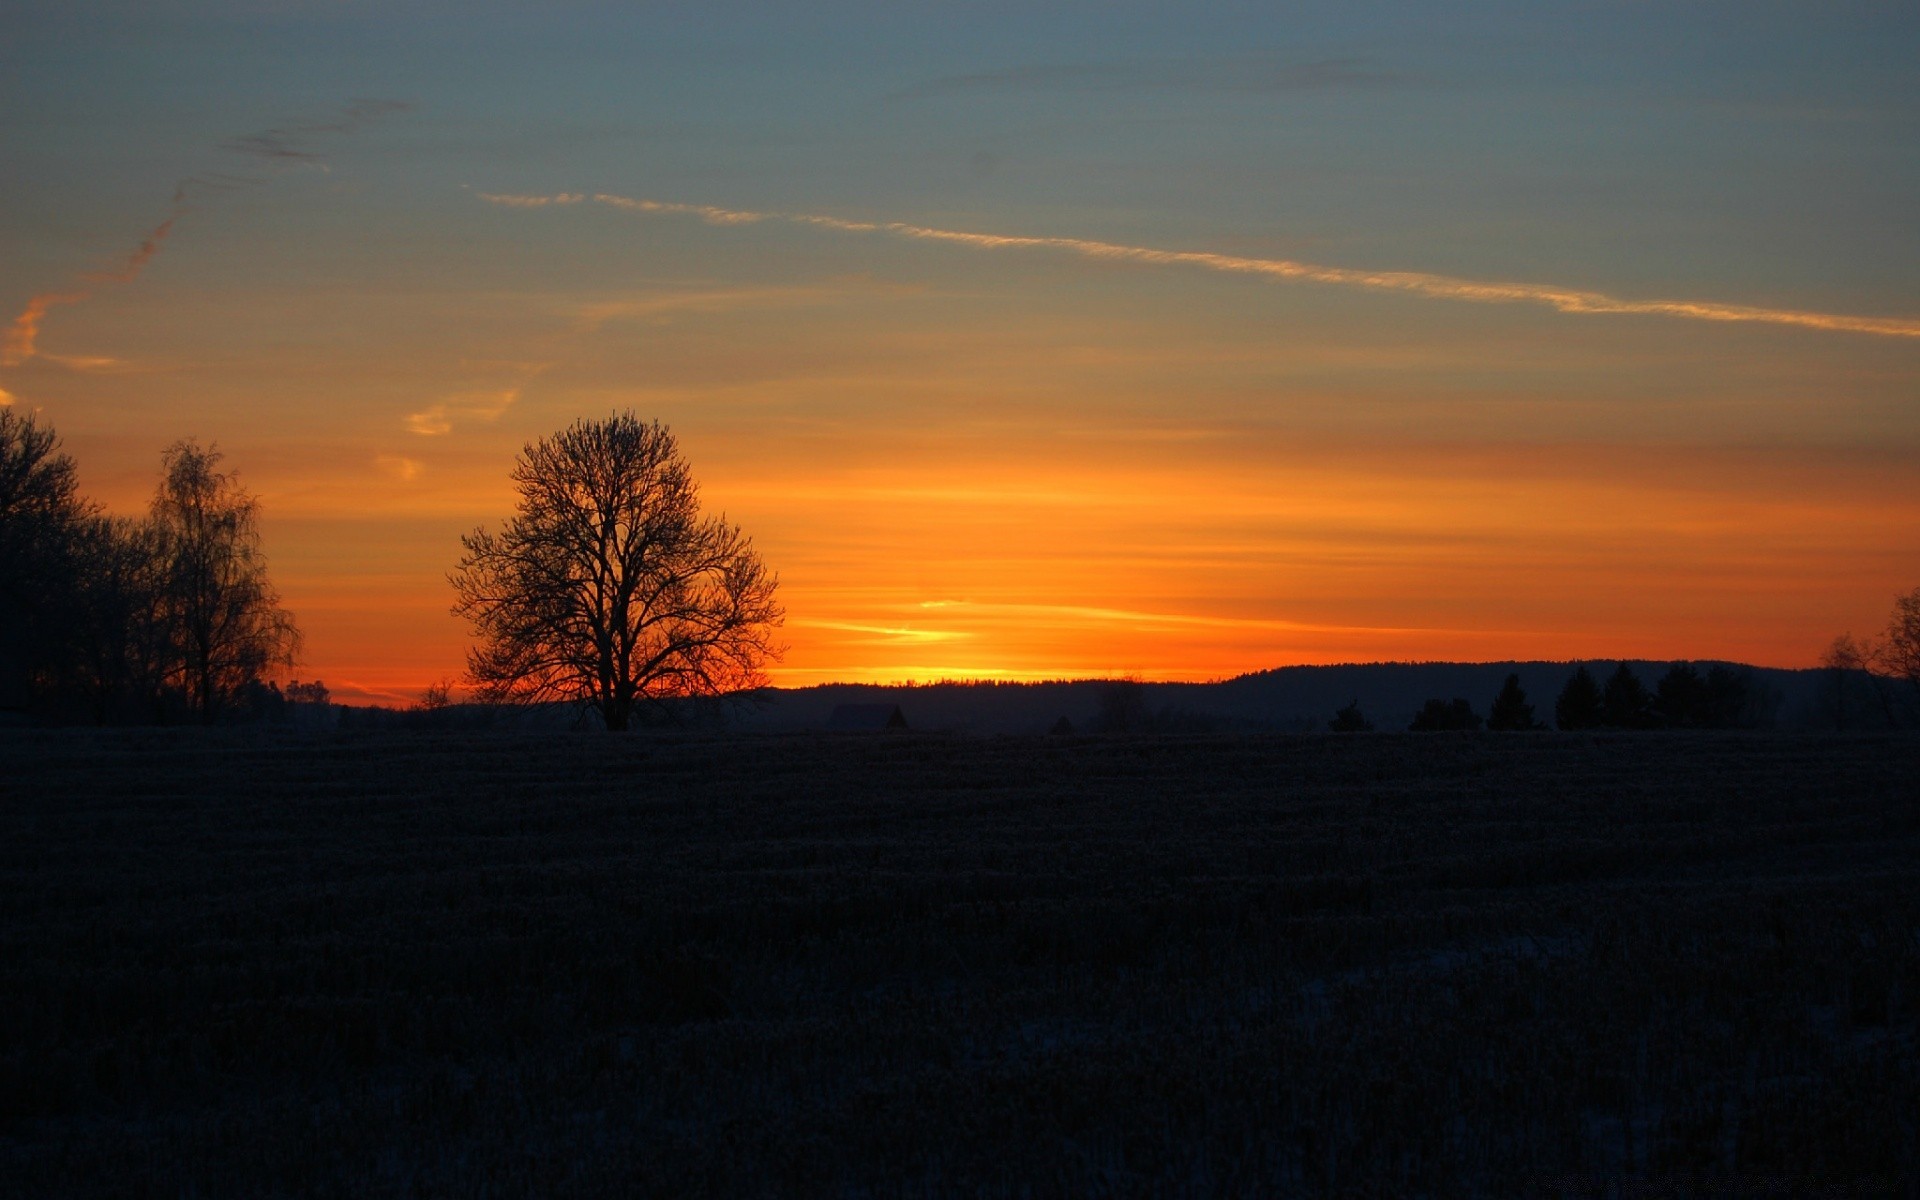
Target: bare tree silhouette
227,624
1899,650
111,616
40,512
1877,666
608,588
123,648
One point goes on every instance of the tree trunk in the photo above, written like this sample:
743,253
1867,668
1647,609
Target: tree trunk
206,692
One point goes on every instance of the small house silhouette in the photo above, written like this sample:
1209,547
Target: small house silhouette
867,718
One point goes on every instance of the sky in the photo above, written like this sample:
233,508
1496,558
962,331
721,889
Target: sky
1024,341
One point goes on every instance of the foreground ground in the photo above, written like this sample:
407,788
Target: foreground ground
591,965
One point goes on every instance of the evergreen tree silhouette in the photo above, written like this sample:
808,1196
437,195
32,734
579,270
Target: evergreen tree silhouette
1681,699
1510,708
1727,696
1579,705
1624,702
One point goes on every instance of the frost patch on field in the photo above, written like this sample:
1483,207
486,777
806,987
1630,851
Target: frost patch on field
1314,1004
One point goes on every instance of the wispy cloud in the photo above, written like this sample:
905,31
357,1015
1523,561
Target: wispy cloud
398,466
1246,74
24,334
101,364
277,145
595,315
290,142
1077,612
504,201
368,691
431,422
887,634
1415,283
716,216
439,419
590,317
6,398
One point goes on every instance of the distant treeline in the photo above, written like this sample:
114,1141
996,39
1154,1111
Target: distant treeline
1391,696
1720,697
167,617
434,711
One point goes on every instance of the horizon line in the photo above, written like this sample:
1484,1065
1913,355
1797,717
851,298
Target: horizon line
1052,680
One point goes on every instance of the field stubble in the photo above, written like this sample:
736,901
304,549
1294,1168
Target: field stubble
244,964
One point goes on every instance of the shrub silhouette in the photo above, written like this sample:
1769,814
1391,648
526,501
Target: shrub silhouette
1350,720
1438,715
1123,708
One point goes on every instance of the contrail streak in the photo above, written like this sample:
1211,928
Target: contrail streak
23,336
269,146
136,262
1416,283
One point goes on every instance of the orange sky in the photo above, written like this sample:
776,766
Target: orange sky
963,567
980,481
1413,362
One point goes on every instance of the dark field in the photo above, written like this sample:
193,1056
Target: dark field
408,964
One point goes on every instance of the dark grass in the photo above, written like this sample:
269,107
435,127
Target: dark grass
410,964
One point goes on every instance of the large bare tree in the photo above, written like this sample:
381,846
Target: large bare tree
608,588
1899,651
